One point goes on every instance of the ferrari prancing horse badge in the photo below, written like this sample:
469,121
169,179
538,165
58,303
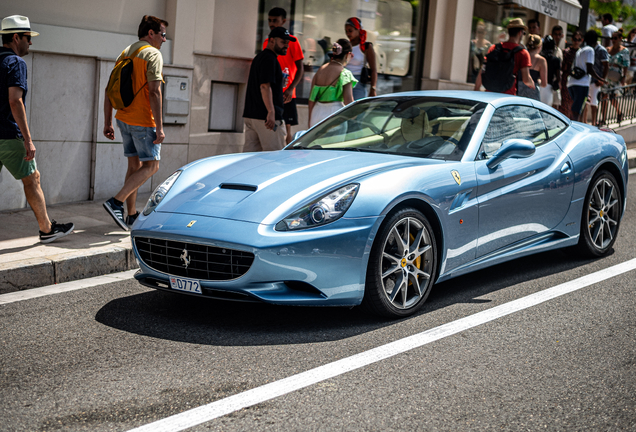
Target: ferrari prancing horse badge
456,176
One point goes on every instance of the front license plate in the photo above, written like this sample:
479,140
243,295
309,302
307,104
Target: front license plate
183,284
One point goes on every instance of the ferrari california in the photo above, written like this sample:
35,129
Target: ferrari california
381,200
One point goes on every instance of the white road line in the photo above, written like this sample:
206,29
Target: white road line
202,414
632,171
65,287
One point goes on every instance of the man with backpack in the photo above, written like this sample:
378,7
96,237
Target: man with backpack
17,152
135,91
506,62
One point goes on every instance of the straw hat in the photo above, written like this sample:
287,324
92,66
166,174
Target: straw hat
517,23
17,24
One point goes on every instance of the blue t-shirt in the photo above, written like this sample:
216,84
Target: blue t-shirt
13,73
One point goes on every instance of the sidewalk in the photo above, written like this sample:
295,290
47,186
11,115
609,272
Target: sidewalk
631,154
97,247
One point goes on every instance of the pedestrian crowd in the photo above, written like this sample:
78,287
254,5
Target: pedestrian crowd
534,67
270,98
572,80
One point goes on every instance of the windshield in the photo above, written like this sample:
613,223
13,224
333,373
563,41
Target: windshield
438,128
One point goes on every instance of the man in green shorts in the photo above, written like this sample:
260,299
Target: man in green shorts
17,152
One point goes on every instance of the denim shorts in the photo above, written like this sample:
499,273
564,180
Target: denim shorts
138,141
12,154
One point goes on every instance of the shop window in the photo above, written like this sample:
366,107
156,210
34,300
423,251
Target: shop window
223,103
391,26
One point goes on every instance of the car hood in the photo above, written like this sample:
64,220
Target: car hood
266,187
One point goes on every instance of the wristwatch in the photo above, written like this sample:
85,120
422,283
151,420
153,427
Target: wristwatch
373,88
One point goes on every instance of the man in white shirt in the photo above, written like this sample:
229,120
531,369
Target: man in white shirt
608,29
579,87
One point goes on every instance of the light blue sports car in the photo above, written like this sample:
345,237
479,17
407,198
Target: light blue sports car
381,200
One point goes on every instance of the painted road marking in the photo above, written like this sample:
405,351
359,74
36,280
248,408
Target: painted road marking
65,287
205,413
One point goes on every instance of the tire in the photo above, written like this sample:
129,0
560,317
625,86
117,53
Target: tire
602,211
401,272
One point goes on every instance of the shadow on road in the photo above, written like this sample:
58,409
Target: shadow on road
195,320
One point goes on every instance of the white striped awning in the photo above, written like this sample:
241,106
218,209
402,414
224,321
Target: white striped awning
564,10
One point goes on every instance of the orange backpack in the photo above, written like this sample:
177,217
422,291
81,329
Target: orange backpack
120,84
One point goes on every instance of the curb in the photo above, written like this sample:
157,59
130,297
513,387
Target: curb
631,158
65,267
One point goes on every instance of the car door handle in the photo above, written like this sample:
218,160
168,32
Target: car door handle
566,168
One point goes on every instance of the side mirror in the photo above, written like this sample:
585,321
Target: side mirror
511,148
299,134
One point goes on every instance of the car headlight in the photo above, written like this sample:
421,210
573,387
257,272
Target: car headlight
322,211
160,192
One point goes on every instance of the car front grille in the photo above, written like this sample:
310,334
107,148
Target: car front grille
203,262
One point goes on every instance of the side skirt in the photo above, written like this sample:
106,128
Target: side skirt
531,246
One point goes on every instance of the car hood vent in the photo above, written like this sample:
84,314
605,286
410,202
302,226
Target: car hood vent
236,186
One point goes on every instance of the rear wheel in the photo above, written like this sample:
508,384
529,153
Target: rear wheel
402,266
601,215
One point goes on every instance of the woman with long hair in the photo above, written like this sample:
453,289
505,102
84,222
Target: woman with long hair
363,54
332,86
554,71
569,54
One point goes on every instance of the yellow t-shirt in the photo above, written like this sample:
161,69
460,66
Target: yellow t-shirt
147,67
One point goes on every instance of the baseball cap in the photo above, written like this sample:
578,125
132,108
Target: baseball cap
281,32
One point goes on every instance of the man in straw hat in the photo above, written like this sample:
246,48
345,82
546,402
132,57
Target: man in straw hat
523,63
17,152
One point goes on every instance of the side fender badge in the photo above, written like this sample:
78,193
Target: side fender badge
457,177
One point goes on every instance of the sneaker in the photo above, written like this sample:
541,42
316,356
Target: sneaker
57,231
130,220
117,212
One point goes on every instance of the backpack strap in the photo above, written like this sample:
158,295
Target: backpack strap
138,51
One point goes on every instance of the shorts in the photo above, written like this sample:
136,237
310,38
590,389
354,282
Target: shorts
579,95
290,113
594,90
138,141
12,154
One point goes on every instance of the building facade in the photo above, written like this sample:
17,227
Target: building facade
420,44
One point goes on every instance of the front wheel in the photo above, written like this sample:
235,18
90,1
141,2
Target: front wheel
402,266
601,218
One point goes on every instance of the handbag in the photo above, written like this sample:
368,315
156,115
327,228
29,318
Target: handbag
365,74
577,72
614,76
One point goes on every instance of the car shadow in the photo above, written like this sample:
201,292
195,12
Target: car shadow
190,319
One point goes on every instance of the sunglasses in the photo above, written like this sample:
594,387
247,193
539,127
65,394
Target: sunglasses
28,37
616,38
577,40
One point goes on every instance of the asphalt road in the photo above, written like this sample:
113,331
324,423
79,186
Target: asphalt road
119,356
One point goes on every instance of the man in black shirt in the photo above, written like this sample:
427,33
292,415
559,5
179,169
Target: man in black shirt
263,114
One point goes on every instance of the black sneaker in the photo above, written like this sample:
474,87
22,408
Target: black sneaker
57,231
117,212
130,220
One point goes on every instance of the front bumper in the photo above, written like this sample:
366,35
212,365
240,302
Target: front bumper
324,266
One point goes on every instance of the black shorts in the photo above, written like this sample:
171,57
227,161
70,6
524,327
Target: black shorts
290,113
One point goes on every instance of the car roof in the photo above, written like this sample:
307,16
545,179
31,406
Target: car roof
478,96
495,99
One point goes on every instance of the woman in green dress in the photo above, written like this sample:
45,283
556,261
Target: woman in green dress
332,85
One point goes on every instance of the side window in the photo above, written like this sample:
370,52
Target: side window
553,125
513,121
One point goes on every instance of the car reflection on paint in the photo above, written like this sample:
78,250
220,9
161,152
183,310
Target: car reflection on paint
381,200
